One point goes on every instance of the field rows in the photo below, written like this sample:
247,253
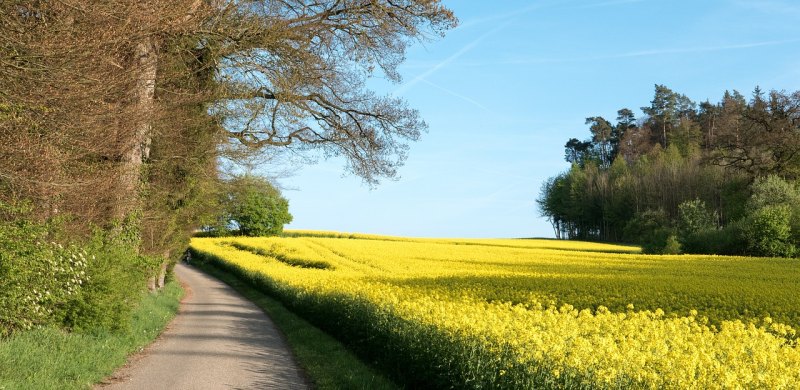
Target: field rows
528,313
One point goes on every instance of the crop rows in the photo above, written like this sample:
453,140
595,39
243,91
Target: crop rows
532,313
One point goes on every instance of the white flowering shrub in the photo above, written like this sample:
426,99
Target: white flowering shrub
42,282
38,278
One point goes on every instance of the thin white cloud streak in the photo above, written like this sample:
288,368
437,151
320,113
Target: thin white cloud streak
456,94
705,49
608,4
504,16
467,205
469,46
634,54
542,5
509,18
770,7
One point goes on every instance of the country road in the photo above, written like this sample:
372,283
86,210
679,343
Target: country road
219,340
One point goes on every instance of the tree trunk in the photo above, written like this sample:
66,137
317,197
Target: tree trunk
136,143
162,273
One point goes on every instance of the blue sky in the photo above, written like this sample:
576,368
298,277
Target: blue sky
504,91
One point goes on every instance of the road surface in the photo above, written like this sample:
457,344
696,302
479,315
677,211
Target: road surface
218,340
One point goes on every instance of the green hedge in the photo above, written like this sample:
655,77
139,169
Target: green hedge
47,281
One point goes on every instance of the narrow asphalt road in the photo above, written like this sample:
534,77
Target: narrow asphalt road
219,340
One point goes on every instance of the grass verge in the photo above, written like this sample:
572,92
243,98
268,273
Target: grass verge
325,360
49,358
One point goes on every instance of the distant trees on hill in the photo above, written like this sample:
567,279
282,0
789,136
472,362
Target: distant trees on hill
686,173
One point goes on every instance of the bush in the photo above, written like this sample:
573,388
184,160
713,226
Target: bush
43,282
651,230
38,278
671,246
115,279
726,241
694,217
772,191
768,232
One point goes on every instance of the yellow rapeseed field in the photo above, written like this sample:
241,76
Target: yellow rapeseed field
524,313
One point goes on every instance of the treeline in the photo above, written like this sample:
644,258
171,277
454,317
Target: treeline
686,177
116,117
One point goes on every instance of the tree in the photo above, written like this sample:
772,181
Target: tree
663,110
768,232
294,73
651,229
602,135
761,137
552,196
578,152
255,206
626,121
667,110
118,110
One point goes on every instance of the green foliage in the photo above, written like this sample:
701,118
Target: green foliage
114,281
82,287
726,241
39,279
694,218
695,164
773,191
671,246
254,205
50,358
768,232
651,230
773,218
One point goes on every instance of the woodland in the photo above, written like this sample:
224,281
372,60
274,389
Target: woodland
718,178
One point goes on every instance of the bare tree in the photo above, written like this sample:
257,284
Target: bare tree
293,75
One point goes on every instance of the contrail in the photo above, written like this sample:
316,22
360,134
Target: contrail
448,60
608,3
456,94
509,18
641,53
699,49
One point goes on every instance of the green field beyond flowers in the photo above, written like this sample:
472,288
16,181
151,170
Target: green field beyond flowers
520,313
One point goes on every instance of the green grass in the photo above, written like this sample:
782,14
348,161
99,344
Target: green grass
49,358
325,360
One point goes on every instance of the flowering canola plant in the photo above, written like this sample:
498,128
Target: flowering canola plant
501,313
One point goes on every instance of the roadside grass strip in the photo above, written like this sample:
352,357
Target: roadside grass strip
48,358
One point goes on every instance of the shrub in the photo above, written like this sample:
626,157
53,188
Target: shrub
115,278
694,217
43,282
651,230
38,278
671,246
772,191
768,232
726,241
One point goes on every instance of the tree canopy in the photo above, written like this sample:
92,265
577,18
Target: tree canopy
253,206
713,176
116,115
